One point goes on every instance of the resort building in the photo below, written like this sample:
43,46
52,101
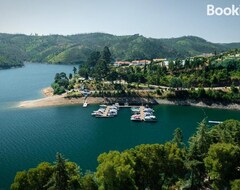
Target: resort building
135,63
122,63
140,62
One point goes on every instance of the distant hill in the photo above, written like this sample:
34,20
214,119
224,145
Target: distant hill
74,49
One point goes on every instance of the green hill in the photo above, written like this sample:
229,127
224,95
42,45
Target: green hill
74,49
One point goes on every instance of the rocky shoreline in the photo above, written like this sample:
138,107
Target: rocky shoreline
231,106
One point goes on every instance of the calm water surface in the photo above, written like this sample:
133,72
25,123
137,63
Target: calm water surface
30,136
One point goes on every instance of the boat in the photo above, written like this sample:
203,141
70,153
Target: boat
136,118
114,107
215,122
113,112
150,118
103,106
135,109
148,110
95,113
99,115
85,104
98,112
117,104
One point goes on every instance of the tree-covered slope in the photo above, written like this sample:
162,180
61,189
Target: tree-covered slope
74,49
11,55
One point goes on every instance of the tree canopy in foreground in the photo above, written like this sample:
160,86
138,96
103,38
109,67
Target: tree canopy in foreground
210,161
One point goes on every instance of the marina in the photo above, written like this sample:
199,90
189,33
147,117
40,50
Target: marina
106,111
142,113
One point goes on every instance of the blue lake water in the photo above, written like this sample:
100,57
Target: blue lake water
30,136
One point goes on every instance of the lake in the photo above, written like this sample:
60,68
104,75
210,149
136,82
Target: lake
31,136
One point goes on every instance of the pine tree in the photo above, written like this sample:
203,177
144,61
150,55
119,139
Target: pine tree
106,55
60,179
178,137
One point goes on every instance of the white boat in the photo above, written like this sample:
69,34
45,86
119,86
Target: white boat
148,110
99,115
98,112
113,112
103,106
85,104
135,109
114,107
215,122
117,105
150,118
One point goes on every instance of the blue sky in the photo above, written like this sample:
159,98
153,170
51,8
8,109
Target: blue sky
151,18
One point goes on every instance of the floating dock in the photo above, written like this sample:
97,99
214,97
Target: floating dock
127,106
142,115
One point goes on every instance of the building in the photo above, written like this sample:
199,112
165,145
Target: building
140,62
157,60
122,63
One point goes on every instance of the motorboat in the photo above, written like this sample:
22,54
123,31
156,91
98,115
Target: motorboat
135,109
117,104
150,118
114,107
103,106
85,104
95,113
148,110
102,110
136,118
99,115
98,112
113,112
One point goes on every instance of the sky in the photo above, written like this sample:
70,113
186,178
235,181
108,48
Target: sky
150,18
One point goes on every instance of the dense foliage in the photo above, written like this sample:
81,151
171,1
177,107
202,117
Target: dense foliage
210,161
75,49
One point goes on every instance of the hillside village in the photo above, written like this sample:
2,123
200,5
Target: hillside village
164,61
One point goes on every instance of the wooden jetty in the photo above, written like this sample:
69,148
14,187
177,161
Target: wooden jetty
128,106
105,114
142,112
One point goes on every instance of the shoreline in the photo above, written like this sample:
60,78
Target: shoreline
51,100
201,104
60,100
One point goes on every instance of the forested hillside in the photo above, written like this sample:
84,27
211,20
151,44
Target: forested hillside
74,49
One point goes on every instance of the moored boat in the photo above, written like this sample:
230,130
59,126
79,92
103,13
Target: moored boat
150,118
136,118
